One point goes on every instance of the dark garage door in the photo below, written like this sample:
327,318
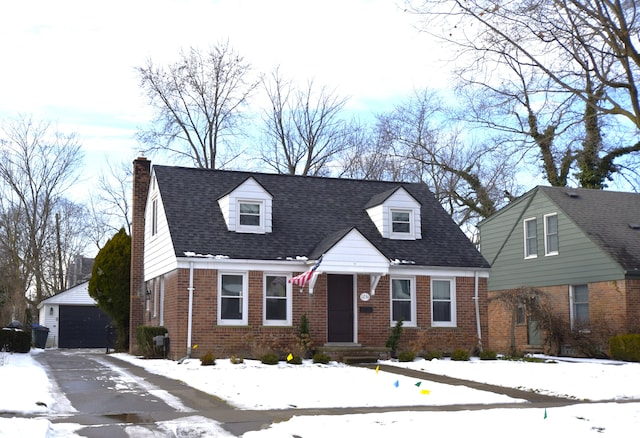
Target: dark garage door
82,327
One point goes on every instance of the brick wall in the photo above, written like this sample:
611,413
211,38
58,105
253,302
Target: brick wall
141,179
373,327
614,308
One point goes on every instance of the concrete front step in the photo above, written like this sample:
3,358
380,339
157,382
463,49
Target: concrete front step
353,353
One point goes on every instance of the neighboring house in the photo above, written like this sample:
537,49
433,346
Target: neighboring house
74,319
581,248
79,270
215,255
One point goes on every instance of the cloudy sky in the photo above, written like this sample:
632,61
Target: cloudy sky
72,61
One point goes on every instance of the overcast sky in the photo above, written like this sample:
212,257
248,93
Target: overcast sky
72,62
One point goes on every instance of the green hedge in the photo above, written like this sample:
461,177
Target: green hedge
625,347
146,346
17,341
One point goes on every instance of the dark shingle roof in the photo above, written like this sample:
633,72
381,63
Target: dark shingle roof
607,218
309,214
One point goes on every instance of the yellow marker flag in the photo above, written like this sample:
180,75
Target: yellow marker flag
195,346
289,357
377,369
425,392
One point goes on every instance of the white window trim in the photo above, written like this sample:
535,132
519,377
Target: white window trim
452,290
524,232
245,299
161,322
251,228
546,251
411,235
154,216
572,302
277,322
412,284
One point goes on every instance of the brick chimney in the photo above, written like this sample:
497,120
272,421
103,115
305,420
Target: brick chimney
141,180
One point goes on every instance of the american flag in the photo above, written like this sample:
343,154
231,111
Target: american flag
302,279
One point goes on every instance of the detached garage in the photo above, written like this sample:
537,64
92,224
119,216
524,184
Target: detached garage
74,319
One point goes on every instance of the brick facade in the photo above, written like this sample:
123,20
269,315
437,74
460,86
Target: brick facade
614,307
373,325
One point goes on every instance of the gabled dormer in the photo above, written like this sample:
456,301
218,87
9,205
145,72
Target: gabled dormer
247,208
396,214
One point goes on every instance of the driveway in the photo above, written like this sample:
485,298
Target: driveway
109,397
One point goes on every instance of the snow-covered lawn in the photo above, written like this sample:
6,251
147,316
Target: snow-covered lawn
252,385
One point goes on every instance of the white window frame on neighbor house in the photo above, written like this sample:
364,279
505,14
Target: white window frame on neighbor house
287,300
259,228
573,307
154,216
530,253
550,235
411,300
242,297
452,322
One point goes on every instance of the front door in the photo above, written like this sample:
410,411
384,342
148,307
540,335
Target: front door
340,308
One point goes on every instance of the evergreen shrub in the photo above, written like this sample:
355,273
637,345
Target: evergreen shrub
625,347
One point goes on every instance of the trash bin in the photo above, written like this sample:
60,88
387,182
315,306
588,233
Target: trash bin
40,334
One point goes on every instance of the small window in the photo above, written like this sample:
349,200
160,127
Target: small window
551,234
232,299
443,303
277,300
520,315
249,214
403,301
580,306
530,238
401,222
154,217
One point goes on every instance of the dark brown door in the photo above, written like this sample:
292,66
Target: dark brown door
340,308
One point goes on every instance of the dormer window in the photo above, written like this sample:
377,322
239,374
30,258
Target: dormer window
396,214
247,208
250,215
401,222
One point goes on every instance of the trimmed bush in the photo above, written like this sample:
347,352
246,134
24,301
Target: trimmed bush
321,358
429,355
270,359
488,355
146,346
295,360
236,359
208,359
460,355
406,356
625,347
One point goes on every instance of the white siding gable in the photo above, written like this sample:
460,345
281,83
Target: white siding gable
159,254
249,192
354,254
400,201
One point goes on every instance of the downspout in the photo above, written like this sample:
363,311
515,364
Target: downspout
476,298
190,317
190,314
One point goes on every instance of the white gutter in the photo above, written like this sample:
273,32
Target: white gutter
477,305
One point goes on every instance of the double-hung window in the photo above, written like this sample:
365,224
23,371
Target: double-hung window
530,238
579,296
250,216
400,222
551,234
443,302
403,304
277,300
232,299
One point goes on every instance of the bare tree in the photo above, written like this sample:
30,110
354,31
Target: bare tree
198,103
303,127
578,58
37,164
469,179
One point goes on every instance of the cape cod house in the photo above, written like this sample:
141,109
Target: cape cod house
581,249
231,261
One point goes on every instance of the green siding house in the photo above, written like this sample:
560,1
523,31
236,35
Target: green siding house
576,250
